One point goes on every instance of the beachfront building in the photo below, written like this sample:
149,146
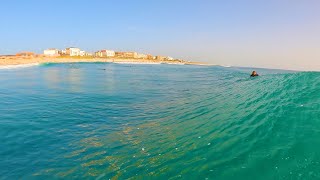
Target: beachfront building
105,53
8,57
86,54
51,52
26,54
142,56
169,58
150,57
132,55
82,53
73,51
63,52
160,58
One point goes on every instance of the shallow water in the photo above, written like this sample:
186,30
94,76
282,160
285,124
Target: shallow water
121,121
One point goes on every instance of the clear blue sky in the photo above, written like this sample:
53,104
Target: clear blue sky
273,33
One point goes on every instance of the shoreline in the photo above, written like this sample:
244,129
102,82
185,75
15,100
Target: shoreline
23,62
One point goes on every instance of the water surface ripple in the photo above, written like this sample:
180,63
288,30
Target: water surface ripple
118,121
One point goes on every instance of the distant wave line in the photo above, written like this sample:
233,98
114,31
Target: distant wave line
18,66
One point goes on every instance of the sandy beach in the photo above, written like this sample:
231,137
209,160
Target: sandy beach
14,60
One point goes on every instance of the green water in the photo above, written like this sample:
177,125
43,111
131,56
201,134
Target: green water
109,121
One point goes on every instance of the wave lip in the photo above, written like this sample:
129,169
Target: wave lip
227,66
18,66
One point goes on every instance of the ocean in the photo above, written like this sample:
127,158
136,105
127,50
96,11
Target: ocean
134,121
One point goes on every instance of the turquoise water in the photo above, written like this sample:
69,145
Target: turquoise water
117,121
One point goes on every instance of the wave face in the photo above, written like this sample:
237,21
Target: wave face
101,121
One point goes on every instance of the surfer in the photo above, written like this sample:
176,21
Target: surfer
254,73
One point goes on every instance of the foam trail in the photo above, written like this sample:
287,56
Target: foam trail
18,66
227,66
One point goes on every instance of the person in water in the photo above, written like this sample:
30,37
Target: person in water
254,73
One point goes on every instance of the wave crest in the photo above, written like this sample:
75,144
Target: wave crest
18,66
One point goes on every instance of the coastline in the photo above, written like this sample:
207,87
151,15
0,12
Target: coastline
12,62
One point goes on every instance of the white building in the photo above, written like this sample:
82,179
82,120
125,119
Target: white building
82,53
110,53
63,52
170,58
51,52
72,51
105,53
142,56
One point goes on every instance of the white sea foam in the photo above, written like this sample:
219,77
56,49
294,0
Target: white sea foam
128,62
175,63
18,66
227,66
136,63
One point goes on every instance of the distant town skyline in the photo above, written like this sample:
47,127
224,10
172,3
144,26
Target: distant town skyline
272,34
102,53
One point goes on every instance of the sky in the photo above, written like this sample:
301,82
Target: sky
252,33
